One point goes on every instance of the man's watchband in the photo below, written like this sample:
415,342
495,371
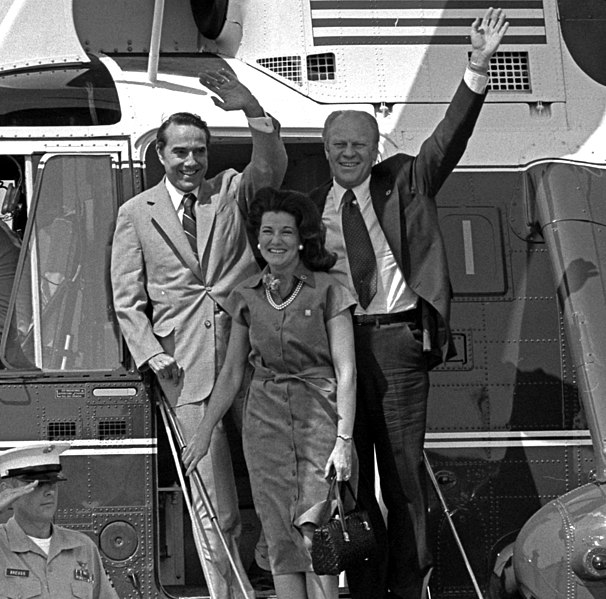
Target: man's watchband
476,68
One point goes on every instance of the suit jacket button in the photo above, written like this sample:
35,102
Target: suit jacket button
208,324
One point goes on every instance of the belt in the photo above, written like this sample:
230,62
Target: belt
410,316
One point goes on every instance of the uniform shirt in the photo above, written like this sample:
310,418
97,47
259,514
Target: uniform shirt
73,567
393,294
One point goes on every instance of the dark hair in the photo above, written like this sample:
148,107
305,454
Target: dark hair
181,118
365,116
311,230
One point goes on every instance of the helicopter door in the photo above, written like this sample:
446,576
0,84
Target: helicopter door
60,315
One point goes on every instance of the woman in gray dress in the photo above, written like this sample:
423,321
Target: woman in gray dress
292,322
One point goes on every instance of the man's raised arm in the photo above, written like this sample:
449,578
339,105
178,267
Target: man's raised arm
268,162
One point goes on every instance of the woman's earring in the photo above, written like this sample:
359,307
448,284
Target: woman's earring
258,246
300,247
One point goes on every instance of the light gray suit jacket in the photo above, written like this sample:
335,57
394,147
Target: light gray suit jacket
164,298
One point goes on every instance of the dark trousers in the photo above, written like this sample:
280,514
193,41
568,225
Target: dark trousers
393,385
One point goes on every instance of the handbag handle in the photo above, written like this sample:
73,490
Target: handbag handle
341,510
346,484
335,490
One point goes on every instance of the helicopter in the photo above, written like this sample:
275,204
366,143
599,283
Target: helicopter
516,422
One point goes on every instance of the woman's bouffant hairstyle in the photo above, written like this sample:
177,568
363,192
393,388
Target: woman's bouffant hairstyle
311,230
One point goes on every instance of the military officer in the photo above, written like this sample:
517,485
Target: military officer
37,558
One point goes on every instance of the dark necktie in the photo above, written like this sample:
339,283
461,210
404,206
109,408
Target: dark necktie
362,260
189,221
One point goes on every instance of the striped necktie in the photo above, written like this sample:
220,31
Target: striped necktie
189,221
360,253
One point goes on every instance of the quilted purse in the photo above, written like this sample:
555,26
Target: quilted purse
346,540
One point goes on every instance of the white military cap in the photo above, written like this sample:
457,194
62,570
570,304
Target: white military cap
38,461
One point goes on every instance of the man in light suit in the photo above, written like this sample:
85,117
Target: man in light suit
401,321
169,285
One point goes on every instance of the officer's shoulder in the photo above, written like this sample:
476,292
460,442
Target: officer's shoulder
74,535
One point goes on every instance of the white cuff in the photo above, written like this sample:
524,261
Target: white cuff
475,81
264,124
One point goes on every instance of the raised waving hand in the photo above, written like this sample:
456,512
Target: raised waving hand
486,35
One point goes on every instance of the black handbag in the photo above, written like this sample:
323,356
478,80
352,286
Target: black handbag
346,540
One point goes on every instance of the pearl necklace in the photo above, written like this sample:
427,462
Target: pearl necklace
286,302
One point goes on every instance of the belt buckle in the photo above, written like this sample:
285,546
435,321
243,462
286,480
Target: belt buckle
368,319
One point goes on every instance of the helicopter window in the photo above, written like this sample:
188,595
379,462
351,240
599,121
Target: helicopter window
61,309
475,257
69,96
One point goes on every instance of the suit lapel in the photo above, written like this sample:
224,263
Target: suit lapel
205,217
385,200
318,195
165,218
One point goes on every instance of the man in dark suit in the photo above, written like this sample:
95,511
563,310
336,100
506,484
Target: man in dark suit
382,222
178,250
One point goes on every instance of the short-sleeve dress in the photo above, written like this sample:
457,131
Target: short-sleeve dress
290,416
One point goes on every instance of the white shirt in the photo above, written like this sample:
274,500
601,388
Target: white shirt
393,294
176,196
44,544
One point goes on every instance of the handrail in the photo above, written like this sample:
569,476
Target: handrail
174,433
448,515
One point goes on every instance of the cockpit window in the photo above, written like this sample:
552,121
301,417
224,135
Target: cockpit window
61,316
83,95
